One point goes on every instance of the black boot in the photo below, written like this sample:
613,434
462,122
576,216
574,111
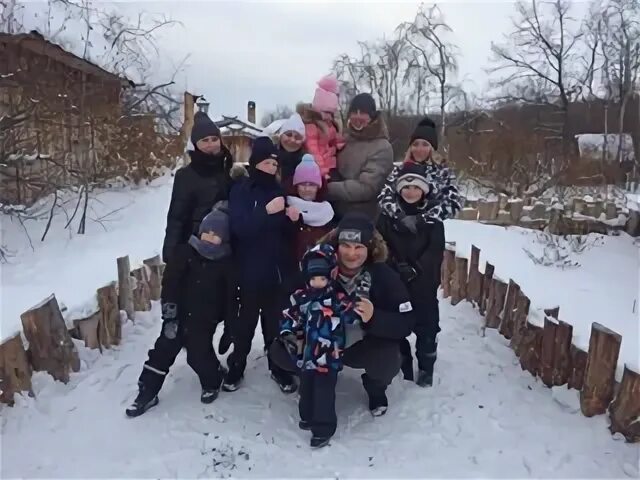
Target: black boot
426,362
425,378
284,380
145,400
303,425
210,394
378,402
319,442
233,378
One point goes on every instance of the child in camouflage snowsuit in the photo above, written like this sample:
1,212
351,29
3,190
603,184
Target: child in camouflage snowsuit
313,329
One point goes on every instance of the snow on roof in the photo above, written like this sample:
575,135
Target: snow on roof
235,126
592,144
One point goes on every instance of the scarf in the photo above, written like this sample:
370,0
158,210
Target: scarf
314,214
209,250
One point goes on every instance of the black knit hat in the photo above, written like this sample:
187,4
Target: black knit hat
263,149
412,174
364,103
426,130
203,127
355,227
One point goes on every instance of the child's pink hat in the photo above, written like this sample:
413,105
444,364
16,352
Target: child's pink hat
307,171
326,96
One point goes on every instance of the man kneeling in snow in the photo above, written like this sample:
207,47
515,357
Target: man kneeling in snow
373,346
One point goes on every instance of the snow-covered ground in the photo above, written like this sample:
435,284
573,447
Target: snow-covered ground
604,287
128,221
484,418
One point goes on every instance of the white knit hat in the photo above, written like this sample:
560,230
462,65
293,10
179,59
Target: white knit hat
293,124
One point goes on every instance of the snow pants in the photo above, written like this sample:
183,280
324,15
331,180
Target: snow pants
265,305
317,405
196,336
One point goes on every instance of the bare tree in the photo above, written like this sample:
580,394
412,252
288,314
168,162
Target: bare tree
542,59
9,16
281,111
426,35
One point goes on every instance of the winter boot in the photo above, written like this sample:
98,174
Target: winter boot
284,380
145,400
319,442
210,394
378,402
233,379
426,362
304,425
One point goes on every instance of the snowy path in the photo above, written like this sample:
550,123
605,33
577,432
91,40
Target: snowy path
484,418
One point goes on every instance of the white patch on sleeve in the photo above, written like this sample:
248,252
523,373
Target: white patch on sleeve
405,307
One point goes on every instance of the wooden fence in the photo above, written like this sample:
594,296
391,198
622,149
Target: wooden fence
544,351
50,342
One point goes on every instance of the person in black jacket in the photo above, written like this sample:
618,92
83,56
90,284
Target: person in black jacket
199,185
262,228
373,346
416,254
197,292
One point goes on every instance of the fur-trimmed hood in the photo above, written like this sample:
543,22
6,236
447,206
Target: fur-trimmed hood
237,171
376,129
378,252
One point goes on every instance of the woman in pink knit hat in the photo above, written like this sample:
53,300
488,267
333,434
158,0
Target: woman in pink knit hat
322,134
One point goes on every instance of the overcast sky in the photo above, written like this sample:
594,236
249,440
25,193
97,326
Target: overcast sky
274,52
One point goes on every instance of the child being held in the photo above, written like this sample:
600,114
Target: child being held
313,329
322,134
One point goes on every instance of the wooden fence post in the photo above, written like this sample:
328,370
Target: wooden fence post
506,327
495,304
448,265
487,284
141,292
578,366
51,348
530,348
520,322
599,377
15,371
155,276
459,284
624,411
109,326
474,286
562,353
87,330
125,295
547,351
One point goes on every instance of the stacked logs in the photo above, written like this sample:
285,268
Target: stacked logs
50,341
546,350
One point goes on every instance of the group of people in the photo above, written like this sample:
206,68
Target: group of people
333,248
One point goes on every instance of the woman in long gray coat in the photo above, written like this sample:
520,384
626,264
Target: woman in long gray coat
364,163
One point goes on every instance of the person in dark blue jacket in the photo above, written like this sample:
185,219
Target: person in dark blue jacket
262,228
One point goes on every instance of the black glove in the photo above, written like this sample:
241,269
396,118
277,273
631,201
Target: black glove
410,222
170,320
407,272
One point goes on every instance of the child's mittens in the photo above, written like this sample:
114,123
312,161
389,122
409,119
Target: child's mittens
170,320
364,285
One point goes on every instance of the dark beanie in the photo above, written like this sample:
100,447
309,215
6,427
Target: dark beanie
355,227
364,103
203,127
263,149
426,130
